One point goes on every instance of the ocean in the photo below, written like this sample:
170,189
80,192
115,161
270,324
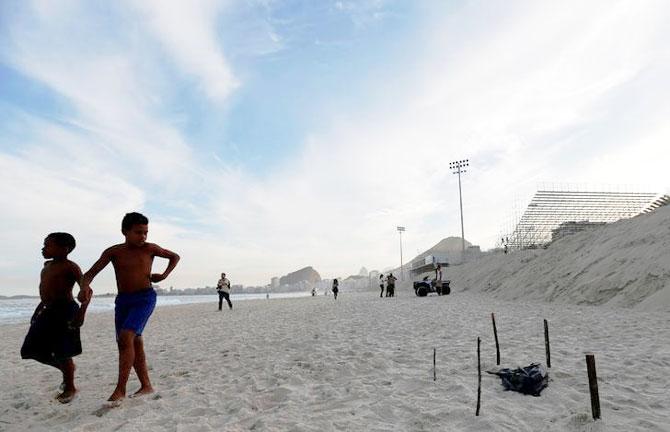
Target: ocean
16,311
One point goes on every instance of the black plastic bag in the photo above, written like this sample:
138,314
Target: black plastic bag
530,380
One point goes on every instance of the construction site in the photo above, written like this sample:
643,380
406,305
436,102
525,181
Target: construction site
559,210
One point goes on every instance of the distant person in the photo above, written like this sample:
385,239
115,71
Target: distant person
53,338
438,278
335,288
313,291
381,285
390,285
136,299
223,288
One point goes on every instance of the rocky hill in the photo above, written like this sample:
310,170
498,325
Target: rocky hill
307,274
448,246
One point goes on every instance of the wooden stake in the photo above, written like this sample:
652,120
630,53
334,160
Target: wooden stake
593,385
479,379
495,335
546,343
434,370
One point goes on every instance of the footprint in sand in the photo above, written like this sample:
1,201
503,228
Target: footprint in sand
105,408
21,405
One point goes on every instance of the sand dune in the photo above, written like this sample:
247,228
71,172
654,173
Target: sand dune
625,264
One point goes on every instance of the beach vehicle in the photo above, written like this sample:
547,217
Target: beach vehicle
425,286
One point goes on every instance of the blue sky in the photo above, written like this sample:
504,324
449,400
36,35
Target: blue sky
264,136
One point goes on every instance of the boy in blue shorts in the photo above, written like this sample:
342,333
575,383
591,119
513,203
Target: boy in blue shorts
136,300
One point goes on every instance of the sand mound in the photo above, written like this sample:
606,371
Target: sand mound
626,263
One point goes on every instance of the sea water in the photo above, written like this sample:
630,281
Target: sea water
16,311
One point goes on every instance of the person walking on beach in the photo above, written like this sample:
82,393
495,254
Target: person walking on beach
438,278
390,285
335,288
223,288
132,261
53,338
381,285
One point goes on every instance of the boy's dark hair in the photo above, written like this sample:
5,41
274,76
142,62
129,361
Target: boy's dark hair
131,219
63,239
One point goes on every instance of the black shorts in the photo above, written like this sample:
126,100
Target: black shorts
52,339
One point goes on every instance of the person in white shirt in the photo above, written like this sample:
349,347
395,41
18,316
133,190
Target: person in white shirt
223,288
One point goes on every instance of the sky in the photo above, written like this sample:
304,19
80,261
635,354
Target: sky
263,136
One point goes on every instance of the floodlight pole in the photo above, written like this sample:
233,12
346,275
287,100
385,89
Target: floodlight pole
457,168
400,231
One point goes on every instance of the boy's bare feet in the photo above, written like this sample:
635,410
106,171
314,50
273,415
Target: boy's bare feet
117,396
63,384
143,391
67,396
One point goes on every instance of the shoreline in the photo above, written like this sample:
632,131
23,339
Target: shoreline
23,311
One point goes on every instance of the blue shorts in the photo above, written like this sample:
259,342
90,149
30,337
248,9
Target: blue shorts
133,310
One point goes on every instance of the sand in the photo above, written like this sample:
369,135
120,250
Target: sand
626,263
360,363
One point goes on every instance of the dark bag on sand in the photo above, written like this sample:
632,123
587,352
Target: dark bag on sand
528,380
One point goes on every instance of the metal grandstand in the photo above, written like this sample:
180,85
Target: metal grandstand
563,211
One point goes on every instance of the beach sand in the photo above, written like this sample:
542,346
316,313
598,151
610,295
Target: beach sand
361,363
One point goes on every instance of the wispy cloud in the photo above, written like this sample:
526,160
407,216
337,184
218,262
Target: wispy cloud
188,33
363,13
529,92
98,160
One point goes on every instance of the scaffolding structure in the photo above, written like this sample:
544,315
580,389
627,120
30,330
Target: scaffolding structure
563,210
663,200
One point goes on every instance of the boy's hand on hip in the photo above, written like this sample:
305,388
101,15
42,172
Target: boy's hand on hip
157,277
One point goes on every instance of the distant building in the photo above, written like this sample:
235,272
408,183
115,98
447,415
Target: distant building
274,282
472,252
429,263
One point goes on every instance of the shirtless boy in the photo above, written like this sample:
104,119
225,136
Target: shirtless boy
53,338
136,299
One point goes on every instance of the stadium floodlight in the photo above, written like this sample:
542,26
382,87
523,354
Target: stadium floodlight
457,168
401,229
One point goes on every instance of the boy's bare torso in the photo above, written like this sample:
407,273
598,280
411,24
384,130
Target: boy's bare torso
132,266
57,280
